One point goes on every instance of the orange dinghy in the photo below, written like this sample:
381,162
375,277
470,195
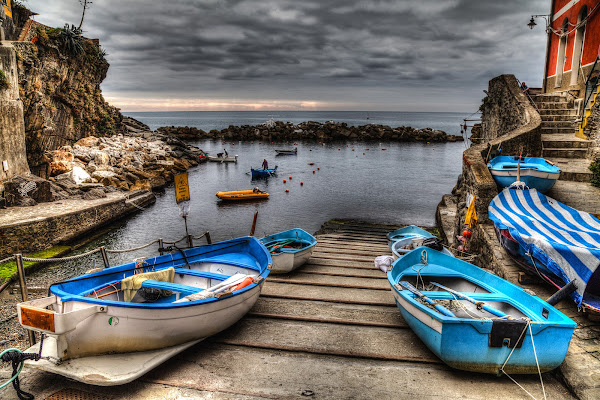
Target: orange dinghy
237,195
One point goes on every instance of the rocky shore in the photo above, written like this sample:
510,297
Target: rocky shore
277,131
93,166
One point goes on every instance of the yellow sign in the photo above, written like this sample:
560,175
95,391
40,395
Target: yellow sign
7,8
182,188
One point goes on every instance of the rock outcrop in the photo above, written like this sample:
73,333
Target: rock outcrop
314,131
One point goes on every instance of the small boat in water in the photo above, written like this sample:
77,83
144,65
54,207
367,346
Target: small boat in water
289,249
284,152
551,240
536,173
410,231
241,195
220,157
158,303
263,172
474,320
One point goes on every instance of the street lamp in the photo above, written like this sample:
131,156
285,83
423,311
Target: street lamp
532,23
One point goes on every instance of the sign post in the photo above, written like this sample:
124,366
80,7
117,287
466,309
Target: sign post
182,197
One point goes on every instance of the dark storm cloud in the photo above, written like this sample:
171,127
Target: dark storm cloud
313,51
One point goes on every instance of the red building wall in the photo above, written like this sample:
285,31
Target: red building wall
569,10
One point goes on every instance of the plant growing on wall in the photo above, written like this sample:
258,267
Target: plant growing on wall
71,40
3,81
595,168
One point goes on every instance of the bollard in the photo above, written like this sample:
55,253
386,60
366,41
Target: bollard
160,246
104,257
21,274
207,234
254,223
190,242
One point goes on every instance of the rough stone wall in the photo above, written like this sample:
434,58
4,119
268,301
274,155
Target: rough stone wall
525,136
592,129
61,94
501,109
12,129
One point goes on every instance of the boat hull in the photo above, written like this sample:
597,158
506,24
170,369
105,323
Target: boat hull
470,341
242,195
286,260
535,172
403,246
410,231
263,173
86,322
286,152
222,159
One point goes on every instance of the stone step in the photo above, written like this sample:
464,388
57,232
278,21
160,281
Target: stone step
558,111
574,170
564,141
564,152
555,129
552,105
559,118
567,123
549,97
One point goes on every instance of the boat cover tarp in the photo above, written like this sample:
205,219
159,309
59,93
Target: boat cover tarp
566,240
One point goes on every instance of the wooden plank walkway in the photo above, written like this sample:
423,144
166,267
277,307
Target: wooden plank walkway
330,330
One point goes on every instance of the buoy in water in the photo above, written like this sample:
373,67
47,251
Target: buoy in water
311,163
284,181
339,149
364,154
383,149
313,171
352,149
290,178
318,168
301,183
287,190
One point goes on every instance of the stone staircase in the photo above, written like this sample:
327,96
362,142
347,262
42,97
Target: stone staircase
559,143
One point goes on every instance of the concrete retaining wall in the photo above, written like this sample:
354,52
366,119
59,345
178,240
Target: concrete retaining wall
36,228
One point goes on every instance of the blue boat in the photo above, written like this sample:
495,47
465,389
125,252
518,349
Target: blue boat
157,303
263,173
289,249
477,321
551,240
536,173
410,231
403,246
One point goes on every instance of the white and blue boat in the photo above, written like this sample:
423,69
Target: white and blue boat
289,249
163,301
263,173
410,231
536,173
403,246
551,240
477,321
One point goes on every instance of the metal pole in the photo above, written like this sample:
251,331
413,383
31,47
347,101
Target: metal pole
189,238
208,237
160,246
104,257
254,223
21,274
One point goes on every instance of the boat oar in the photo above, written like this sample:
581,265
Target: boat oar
426,299
277,245
479,304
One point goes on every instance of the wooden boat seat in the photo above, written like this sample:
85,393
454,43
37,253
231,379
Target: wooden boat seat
173,287
201,274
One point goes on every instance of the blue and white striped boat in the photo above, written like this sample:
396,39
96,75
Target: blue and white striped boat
474,320
551,239
289,249
536,173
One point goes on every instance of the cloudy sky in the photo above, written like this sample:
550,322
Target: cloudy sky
387,55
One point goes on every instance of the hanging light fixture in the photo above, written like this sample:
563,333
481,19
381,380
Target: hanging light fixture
531,23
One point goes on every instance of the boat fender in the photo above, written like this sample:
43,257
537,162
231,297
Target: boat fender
247,281
384,263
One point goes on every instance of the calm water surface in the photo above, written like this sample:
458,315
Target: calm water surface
399,185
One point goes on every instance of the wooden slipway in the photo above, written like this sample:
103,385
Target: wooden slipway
329,330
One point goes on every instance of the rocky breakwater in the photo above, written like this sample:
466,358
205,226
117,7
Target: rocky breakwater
94,165
314,131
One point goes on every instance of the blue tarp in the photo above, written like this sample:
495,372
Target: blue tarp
565,240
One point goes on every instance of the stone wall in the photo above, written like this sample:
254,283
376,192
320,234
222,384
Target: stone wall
592,129
67,223
514,126
13,158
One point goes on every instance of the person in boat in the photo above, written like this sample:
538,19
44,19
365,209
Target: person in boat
226,154
265,164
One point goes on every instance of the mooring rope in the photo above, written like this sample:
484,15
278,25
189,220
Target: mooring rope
60,259
133,249
7,259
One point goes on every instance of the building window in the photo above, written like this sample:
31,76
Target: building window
562,54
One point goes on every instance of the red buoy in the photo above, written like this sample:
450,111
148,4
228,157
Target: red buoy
287,190
467,233
301,183
290,178
313,171
284,181
318,168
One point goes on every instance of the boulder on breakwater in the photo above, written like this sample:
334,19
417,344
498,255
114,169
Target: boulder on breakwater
313,131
